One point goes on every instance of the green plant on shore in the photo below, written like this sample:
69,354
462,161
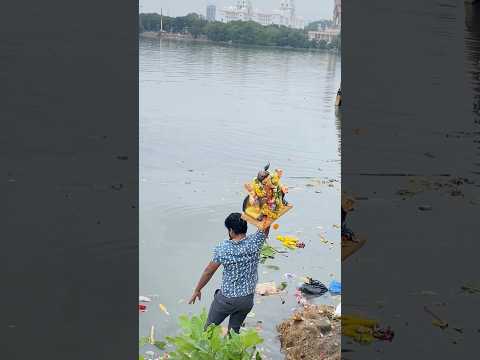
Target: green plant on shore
196,343
145,340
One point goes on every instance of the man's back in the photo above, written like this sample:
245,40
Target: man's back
239,256
240,261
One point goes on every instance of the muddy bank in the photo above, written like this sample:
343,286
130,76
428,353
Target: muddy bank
172,36
311,333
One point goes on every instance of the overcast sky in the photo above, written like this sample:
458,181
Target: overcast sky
309,9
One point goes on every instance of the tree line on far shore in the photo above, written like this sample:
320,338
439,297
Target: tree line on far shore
237,32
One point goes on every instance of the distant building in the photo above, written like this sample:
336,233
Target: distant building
327,35
330,33
211,12
244,11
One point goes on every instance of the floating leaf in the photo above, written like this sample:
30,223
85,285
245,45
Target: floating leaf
272,267
282,286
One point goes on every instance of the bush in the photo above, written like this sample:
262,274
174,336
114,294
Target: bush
195,343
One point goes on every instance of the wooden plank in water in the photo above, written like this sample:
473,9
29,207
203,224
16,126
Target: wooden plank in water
351,247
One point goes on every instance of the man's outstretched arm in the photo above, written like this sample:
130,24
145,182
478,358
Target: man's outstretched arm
204,279
261,236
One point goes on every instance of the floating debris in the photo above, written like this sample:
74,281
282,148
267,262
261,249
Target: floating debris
437,321
470,289
289,276
313,287
268,288
163,309
272,267
300,298
425,208
364,330
152,335
267,252
283,286
335,287
290,242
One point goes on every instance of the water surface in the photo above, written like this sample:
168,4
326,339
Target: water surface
210,118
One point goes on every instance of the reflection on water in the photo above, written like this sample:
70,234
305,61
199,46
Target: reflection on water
338,123
210,117
472,51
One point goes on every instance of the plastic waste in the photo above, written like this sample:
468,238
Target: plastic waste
335,287
338,310
289,276
142,307
313,287
144,299
300,298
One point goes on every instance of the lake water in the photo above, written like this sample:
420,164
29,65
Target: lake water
210,117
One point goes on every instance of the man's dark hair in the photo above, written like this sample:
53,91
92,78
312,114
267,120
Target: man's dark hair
235,223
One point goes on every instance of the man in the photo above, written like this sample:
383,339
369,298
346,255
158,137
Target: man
239,256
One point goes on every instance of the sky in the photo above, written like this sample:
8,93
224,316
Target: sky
310,10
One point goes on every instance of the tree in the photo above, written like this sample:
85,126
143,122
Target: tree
237,32
313,26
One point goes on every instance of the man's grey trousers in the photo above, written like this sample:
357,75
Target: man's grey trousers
237,308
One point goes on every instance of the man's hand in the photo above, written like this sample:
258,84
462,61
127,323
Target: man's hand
196,294
204,279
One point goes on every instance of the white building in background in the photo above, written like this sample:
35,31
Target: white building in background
244,11
327,35
211,12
